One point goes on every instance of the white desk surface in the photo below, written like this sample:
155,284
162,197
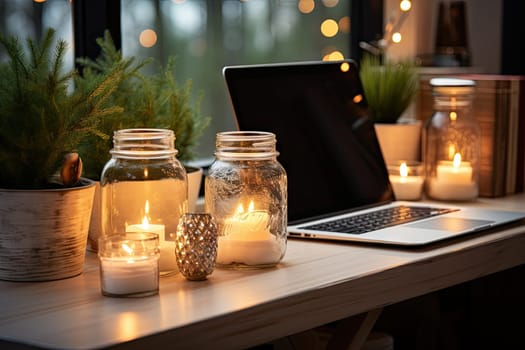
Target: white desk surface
316,283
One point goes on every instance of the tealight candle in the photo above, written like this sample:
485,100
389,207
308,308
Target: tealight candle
129,264
406,180
246,239
453,180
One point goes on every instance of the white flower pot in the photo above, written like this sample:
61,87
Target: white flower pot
400,141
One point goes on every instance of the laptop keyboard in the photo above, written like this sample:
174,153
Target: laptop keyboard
375,220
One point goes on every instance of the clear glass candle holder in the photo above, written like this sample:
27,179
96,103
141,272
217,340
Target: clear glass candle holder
246,192
144,188
407,179
129,264
452,142
196,245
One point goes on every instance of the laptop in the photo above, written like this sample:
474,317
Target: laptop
328,147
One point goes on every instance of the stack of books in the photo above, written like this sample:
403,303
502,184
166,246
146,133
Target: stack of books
500,111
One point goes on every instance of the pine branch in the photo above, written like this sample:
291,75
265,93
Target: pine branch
40,118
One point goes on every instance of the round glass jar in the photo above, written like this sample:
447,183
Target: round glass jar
144,188
246,192
451,142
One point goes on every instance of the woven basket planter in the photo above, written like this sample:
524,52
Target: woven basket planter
43,233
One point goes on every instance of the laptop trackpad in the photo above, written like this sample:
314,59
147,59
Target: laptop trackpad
452,224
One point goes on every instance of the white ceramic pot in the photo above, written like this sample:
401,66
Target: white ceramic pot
43,233
400,141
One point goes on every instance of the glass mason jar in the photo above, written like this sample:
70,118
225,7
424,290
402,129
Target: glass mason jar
144,188
246,192
451,142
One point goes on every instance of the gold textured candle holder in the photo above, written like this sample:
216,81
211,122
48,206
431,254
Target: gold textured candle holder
196,245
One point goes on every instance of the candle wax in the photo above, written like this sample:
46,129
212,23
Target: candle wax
407,187
257,252
125,276
248,241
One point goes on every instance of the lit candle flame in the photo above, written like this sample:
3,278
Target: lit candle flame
403,169
145,220
457,161
240,208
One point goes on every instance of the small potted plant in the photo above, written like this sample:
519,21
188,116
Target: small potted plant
44,202
390,88
147,101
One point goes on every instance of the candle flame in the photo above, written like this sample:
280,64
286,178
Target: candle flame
403,169
457,161
240,208
145,220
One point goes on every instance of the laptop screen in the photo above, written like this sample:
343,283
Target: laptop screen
327,143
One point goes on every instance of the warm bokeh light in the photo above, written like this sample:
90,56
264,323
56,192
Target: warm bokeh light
148,38
345,67
306,6
330,3
344,24
405,5
396,37
451,151
329,28
453,116
39,1
334,56
127,325
357,98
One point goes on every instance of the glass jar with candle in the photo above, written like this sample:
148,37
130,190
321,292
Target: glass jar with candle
144,189
451,142
246,192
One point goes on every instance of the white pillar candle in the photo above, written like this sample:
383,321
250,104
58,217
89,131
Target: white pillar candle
247,240
128,276
454,172
453,181
168,260
406,187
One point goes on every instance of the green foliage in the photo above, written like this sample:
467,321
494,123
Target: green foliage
389,88
42,115
153,101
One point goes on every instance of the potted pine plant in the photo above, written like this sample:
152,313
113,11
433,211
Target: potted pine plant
390,88
45,113
147,101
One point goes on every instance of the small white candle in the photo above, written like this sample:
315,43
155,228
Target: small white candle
247,240
258,252
406,187
453,181
127,276
455,172
168,260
